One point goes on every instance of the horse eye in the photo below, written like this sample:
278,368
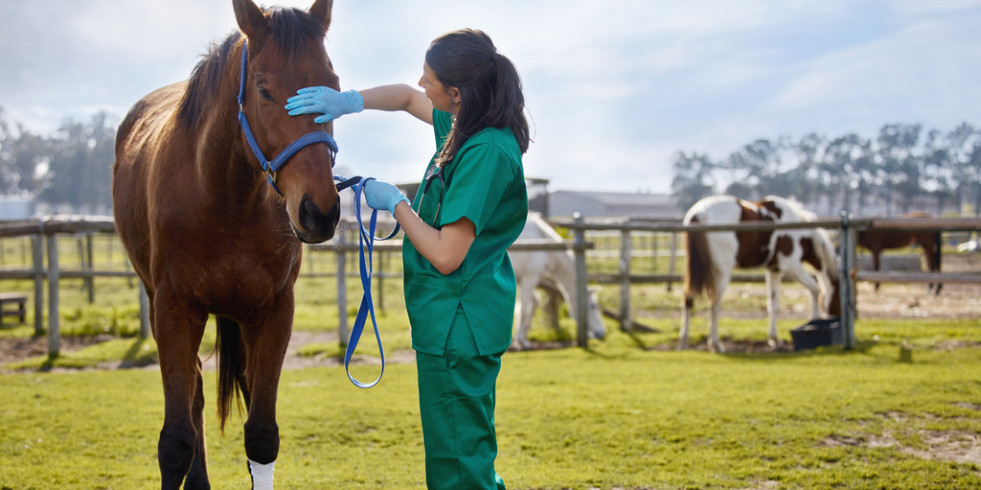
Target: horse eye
265,94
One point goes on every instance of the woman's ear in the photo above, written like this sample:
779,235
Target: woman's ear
454,94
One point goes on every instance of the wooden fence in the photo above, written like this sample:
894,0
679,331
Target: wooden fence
846,226
48,230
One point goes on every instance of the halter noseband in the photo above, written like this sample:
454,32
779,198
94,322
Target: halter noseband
271,168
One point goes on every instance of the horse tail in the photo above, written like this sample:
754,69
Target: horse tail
698,274
937,250
228,345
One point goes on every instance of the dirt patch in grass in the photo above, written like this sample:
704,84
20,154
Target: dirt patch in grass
954,446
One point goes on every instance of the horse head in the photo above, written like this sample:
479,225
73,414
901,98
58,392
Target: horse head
285,52
827,267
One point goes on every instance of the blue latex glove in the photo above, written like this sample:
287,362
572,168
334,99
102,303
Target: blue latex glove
326,101
383,196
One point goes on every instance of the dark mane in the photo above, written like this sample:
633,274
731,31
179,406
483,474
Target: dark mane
204,81
290,29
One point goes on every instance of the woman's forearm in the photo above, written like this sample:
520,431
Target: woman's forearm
446,247
399,97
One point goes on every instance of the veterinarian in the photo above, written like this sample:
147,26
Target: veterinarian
471,205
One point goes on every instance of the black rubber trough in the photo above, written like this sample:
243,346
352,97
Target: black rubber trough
818,332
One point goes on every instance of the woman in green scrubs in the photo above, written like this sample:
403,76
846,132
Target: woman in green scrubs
471,205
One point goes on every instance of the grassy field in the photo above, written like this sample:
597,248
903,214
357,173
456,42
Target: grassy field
622,415
630,412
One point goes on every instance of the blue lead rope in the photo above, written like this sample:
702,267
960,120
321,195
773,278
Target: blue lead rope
366,241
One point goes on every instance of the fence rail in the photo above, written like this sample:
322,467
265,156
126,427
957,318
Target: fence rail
48,229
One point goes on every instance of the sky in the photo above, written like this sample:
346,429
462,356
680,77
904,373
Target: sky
614,88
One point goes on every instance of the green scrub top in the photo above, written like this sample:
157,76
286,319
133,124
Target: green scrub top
485,183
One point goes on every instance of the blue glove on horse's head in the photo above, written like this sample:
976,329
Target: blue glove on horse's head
382,195
326,101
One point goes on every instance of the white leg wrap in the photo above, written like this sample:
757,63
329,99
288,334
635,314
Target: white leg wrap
262,475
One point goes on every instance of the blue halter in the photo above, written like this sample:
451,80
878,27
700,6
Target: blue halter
272,168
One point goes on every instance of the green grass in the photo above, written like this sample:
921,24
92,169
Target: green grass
614,416
627,413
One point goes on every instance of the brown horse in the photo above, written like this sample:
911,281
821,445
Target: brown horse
207,235
875,241
713,255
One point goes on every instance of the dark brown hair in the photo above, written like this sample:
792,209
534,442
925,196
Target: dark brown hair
490,89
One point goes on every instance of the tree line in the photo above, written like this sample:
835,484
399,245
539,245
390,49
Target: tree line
900,166
70,168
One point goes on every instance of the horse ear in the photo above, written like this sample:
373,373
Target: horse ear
251,20
320,10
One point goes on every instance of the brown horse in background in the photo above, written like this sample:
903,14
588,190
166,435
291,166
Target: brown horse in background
875,241
207,235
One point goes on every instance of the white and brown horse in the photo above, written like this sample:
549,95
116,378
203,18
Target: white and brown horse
713,255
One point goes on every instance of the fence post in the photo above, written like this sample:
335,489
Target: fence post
847,297
342,330
144,312
625,251
54,275
582,336
37,244
89,265
674,256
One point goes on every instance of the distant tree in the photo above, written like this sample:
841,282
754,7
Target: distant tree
749,169
23,158
81,165
809,155
900,169
939,172
964,142
840,173
693,179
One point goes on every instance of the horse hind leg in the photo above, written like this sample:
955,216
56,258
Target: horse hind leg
714,343
686,322
773,306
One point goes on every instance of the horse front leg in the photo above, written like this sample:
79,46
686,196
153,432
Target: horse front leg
527,303
197,476
265,346
178,332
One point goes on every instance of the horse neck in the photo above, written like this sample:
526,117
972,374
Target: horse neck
827,265
564,271
224,165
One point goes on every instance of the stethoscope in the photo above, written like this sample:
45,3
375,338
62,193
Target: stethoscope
434,172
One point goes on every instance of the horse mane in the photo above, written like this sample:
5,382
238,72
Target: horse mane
795,206
289,28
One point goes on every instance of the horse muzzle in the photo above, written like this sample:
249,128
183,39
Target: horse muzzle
314,225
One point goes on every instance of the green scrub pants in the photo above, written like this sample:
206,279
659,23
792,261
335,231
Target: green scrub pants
456,401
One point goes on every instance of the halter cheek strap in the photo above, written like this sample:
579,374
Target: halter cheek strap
271,168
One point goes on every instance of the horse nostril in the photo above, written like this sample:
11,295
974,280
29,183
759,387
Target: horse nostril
309,214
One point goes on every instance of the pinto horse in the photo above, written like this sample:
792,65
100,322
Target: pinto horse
713,255
875,241
212,227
